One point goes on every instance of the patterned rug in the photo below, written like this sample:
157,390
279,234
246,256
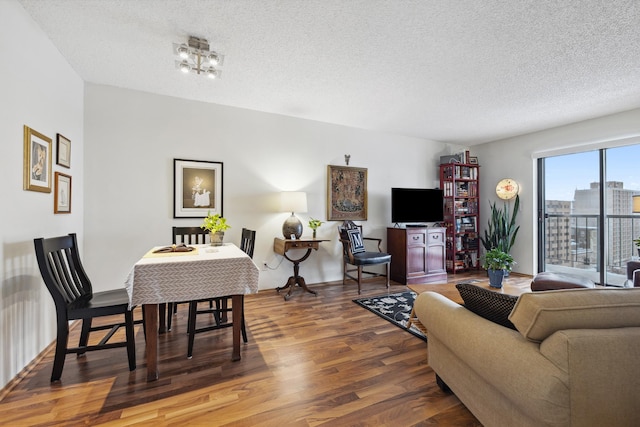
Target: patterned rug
395,308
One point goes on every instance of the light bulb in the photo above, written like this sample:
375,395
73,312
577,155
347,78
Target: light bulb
212,73
184,67
213,58
183,51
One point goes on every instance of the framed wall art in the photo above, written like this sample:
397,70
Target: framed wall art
63,151
62,193
346,193
37,161
197,188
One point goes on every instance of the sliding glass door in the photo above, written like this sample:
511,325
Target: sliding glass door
586,221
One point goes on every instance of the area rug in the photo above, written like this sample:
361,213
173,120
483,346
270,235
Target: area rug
395,308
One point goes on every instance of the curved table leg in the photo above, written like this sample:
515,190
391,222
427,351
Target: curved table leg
296,279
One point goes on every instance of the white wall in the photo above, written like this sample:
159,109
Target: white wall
133,137
516,158
39,89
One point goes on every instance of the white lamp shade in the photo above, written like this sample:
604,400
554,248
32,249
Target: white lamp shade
636,204
293,201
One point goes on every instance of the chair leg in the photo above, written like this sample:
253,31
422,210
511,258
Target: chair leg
172,307
61,349
243,329
193,307
84,335
131,339
359,278
387,269
344,273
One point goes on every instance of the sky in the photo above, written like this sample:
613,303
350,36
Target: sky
565,174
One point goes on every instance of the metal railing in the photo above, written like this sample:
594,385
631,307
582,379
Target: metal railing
571,242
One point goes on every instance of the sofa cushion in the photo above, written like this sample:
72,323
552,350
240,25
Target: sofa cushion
491,305
537,315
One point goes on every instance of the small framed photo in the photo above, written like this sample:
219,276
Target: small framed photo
197,188
63,151
37,161
62,194
473,160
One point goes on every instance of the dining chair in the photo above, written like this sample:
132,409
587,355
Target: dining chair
188,236
63,274
221,309
354,253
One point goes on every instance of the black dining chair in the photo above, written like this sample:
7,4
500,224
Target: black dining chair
188,236
221,309
74,299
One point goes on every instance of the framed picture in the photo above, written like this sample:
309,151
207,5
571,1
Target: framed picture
346,193
37,161
63,151
62,194
473,160
197,188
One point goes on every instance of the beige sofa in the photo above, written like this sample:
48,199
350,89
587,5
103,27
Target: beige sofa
574,360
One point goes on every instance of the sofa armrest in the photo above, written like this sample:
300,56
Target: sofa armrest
500,356
603,371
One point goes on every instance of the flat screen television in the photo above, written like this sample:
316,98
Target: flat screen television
417,205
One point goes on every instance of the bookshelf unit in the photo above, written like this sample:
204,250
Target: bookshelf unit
460,183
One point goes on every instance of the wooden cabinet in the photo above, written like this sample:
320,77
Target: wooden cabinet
460,183
417,254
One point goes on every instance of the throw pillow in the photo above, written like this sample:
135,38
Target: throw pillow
491,305
356,242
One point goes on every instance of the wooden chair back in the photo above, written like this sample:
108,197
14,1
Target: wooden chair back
247,241
189,235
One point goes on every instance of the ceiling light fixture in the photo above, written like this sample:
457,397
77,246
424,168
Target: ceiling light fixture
196,57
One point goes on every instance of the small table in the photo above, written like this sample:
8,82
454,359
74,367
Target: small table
207,272
282,246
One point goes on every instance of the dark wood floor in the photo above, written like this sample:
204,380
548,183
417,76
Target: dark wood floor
310,361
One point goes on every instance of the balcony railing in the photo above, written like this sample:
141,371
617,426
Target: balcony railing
572,244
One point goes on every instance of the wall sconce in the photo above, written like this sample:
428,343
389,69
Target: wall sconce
293,201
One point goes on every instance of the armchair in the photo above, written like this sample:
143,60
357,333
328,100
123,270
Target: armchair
633,274
355,254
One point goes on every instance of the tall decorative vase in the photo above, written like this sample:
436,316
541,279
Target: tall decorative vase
314,233
495,278
216,238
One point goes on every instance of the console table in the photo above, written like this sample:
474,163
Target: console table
282,246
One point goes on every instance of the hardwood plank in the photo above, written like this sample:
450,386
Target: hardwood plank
310,361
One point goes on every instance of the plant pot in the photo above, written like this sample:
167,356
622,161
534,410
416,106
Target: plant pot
495,278
216,238
314,234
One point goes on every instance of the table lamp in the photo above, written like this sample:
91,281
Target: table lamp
293,201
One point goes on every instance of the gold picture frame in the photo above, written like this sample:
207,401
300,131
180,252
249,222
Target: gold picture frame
63,151
346,193
62,194
37,161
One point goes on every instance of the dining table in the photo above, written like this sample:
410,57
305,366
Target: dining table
175,274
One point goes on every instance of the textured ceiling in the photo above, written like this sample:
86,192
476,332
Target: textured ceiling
464,72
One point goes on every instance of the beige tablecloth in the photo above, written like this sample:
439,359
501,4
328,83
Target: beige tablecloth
212,271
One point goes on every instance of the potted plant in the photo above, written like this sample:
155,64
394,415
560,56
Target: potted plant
501,229
314,224
216,225
497,262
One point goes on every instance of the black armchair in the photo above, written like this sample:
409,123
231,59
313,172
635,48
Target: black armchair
355,254
633,274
